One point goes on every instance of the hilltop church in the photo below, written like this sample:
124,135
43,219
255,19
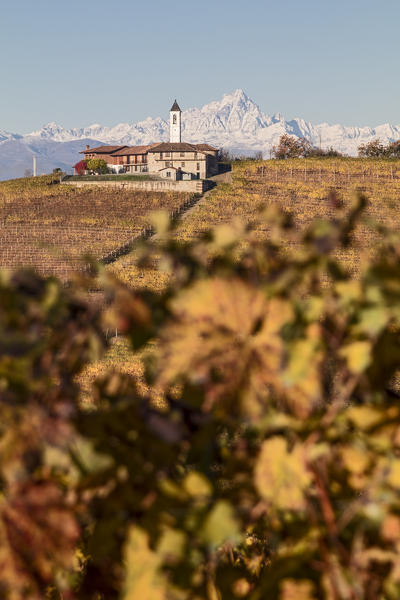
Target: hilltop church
173,160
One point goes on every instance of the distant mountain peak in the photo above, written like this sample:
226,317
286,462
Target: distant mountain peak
236,96
7,135
234,122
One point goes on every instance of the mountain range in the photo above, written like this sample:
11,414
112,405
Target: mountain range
235,123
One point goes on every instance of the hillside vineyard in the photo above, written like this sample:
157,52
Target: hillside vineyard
50,227
302,187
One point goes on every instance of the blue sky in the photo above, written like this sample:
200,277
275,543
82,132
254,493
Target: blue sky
81,62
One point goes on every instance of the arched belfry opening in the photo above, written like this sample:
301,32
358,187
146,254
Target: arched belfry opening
175,134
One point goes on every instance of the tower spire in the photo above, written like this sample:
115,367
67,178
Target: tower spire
175,124
175,107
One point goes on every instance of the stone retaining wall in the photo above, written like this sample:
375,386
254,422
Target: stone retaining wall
194,186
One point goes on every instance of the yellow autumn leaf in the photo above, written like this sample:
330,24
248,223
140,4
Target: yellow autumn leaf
364,417
357,355
197,485
292,589
393,477
241,588
390,529
161,221
227,335
372,320
143,578
354,459
220,525
349,291
281,476
171,545
301,378
225,235
314,308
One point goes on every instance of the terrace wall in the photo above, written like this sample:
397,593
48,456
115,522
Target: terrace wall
193,186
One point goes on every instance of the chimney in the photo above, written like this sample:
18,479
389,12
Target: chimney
87,146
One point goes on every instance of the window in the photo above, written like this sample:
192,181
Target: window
195,154
182,164
198,166
167,163
161,155
174,119
181,154
168,173
168,154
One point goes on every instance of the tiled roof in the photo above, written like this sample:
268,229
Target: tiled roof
130,150
102,150
157,147
175,147
206,147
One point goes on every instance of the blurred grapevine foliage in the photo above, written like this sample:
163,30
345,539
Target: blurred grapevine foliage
46,336
264,459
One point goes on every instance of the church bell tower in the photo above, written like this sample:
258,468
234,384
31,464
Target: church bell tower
175,128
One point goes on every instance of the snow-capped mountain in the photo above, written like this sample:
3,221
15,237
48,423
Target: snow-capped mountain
6,135
235,123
